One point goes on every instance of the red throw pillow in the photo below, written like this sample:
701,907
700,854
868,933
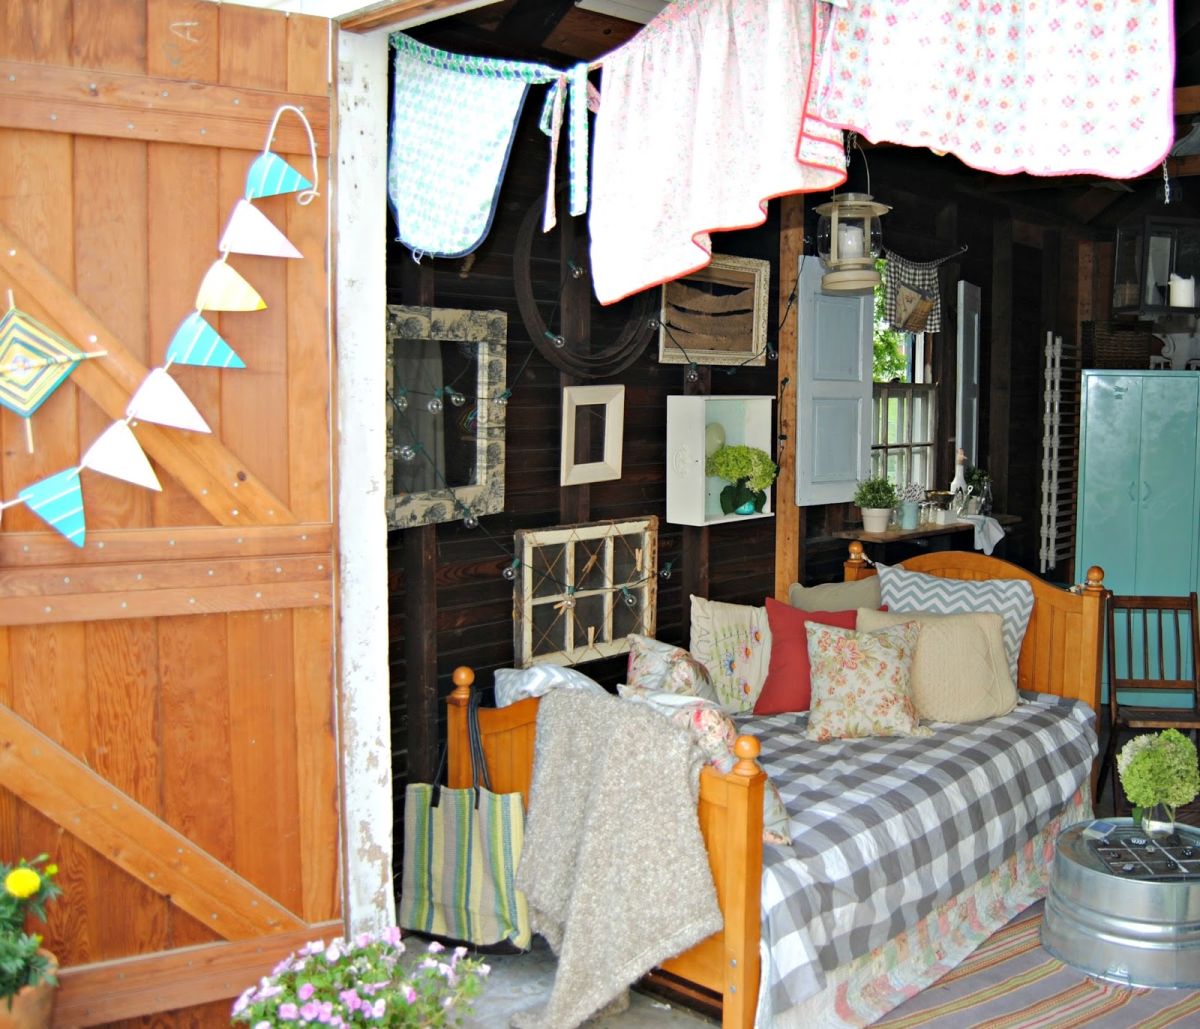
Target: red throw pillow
788,686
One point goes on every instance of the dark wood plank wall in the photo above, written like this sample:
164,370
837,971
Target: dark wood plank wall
473,620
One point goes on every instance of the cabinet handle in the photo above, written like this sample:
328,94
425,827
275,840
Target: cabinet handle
1145,492
1133,491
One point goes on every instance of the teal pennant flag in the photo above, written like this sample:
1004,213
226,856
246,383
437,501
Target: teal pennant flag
58,501
196,343
271,175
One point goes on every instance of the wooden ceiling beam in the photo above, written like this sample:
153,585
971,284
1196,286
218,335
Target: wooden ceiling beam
1187,100
397,13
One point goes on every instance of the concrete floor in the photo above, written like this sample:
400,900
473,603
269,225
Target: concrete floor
520,981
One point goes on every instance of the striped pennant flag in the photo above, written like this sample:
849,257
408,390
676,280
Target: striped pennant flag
223,289
58,501
196,343
271,175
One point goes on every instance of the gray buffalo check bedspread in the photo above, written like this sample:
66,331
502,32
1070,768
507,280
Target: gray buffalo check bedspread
885,829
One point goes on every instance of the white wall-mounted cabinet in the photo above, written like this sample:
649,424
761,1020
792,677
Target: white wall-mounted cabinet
693,498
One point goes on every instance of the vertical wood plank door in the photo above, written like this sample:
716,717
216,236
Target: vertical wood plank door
167,689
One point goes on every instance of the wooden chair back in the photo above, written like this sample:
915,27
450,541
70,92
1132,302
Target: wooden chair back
1153,645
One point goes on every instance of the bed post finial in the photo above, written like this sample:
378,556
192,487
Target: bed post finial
747,748
856,551
463,677
1095,578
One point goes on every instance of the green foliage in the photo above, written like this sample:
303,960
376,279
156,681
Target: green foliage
368,981
875,492
888,358
976,478
25,889
736,463
1159,768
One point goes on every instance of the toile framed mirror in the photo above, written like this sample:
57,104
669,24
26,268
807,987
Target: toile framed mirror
445,414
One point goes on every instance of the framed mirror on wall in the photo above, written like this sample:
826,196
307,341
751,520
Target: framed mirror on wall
445,414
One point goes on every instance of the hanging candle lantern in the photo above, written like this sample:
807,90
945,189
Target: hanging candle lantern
849,239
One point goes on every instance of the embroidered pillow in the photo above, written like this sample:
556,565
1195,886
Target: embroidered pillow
733,641
788,685
1011,599
513,684
835,596
860,682
716,734
959,669
663,666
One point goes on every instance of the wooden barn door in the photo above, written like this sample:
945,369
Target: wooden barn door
167,690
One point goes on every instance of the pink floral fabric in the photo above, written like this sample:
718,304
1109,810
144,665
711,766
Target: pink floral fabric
860,682
1051,87
703,117
662,666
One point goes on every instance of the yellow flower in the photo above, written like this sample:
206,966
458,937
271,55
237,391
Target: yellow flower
22,882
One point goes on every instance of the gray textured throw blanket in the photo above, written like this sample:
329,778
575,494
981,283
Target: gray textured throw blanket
614,866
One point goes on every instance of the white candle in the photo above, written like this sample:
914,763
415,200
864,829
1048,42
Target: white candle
850,241
1182,291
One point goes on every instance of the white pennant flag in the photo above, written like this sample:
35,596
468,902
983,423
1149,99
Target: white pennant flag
160,400
118,453
251,232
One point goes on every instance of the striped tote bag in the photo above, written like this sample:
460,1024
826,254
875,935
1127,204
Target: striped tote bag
461,849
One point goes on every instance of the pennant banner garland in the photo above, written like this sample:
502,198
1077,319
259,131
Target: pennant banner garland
271,175
159,399
251,232
34,360
223,289
58,501
117,453
196,343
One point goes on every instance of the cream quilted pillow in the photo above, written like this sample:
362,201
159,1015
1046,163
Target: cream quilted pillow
733,641
959,670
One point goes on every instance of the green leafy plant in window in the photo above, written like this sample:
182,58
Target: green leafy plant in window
749,472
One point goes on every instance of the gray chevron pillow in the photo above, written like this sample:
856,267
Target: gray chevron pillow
1011,599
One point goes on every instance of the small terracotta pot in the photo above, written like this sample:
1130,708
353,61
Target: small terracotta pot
32,1006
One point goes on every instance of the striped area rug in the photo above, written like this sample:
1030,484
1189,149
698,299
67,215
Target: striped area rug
1010,982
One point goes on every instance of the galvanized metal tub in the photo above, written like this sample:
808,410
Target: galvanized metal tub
1132,931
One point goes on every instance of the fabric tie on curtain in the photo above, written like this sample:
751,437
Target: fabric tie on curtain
1056,87
704,118
453,122
584,97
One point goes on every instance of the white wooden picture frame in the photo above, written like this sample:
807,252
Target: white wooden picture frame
577,402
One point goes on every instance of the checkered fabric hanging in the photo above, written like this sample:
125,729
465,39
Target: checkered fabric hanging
910,288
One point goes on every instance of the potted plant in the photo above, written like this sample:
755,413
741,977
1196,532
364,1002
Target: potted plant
910,499
27,972
367,981
749,472
876,497
1158,773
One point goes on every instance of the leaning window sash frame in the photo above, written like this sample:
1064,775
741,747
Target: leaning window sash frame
895,452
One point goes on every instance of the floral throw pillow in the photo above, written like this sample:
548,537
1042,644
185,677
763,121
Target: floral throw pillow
860,682
662,666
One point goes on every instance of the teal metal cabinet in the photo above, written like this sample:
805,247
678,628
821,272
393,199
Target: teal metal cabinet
1139,501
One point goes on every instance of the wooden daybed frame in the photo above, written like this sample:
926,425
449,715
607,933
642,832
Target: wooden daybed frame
1061,655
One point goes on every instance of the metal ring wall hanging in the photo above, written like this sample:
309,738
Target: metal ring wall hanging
571,355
